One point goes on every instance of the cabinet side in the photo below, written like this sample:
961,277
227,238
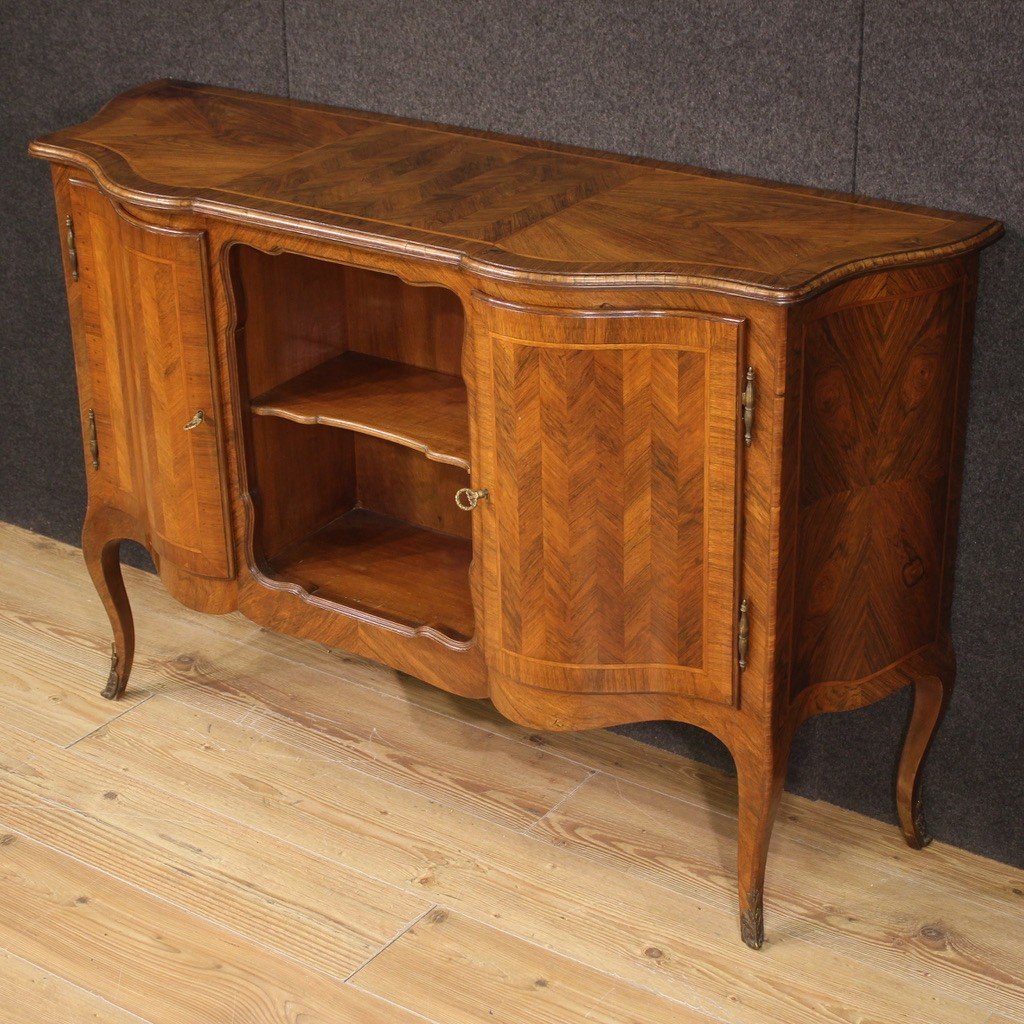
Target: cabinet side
874,430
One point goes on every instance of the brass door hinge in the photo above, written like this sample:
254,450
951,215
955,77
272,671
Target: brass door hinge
69,225
94,445
747,401
743,634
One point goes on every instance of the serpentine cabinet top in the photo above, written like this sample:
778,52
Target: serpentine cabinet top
503,207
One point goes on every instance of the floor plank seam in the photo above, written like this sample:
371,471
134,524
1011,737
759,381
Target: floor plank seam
78,988
127,711
408,926
560,801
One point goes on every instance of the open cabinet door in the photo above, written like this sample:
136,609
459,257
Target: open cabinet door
149,362
610,453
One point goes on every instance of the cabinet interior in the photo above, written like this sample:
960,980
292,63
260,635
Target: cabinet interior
357,437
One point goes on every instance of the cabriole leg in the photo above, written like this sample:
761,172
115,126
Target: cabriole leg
760,789
102,557
931,696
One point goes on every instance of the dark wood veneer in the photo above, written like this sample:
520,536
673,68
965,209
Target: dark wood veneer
371,314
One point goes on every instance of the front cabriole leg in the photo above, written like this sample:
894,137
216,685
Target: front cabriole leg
761,773
102,558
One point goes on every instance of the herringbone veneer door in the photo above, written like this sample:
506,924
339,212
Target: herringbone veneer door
610,443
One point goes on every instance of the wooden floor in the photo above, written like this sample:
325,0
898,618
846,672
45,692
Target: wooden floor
264,831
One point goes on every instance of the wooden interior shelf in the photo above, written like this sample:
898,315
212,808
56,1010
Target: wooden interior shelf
418,408
388,568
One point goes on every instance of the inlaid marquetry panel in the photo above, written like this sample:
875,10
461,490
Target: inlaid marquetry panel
879,381
612,498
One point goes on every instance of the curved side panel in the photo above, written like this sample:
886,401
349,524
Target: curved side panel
884,367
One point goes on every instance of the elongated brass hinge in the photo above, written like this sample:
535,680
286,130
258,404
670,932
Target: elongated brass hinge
748,408
94,445
69,225
743,634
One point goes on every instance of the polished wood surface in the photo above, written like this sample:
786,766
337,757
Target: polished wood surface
374,315
880,373
416,408
269,818
508,208
145,298
387,569
610,529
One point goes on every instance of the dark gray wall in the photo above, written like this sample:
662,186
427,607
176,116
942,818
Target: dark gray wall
912,100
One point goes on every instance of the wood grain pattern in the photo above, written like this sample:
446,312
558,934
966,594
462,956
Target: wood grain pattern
385,569
515,208
32,995
568,332
223,872
609,533
514,982
82,923
879,384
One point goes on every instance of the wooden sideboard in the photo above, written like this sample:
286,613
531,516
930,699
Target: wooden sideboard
599,438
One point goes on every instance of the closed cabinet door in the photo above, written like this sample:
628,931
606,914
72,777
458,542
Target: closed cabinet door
609,443
148,324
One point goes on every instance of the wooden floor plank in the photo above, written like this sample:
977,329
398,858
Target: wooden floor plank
462,972
307,908
611,920
483,773
152,959
50,696
32,995
916,930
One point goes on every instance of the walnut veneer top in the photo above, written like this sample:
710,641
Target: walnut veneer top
505,207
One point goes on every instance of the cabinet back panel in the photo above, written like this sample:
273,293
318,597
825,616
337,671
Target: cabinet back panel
303,476
291,314
403,483
388,318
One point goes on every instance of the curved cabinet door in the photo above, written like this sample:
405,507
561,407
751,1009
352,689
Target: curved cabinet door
103,364
149,335
609,442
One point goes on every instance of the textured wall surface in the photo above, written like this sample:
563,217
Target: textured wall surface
912,100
